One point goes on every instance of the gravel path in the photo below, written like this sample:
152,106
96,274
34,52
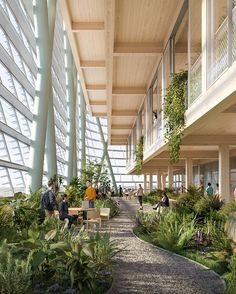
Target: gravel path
143,268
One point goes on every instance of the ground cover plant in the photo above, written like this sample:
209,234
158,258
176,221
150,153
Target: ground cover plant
195,229
41,256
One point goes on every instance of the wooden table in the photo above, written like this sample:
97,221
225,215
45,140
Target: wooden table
76,210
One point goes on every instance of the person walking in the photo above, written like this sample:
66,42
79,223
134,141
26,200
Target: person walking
48,201
209,190
90,194
140,195
120,191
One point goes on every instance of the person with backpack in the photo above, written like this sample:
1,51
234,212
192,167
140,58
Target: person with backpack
48,201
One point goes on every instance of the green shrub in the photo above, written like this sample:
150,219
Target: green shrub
207,204
15,274
228,208
109,203
153,196
174,231
148,221
230,277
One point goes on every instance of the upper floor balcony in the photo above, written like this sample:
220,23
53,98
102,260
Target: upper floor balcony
203,43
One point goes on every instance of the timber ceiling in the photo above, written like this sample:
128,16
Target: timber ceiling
116,46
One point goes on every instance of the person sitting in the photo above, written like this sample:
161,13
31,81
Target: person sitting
164,202
63,211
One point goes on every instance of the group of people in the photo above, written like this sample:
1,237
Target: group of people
48,202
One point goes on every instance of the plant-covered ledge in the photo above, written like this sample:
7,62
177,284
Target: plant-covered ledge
138,152
174,113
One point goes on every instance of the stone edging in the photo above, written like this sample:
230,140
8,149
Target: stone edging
173,253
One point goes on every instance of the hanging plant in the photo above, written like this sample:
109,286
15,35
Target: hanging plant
174,113
138,152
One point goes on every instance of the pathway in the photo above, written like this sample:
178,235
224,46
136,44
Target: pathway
143,268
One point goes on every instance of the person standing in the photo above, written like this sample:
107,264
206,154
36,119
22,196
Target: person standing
48,201
209,190
235,194
120,191
140,195
90,194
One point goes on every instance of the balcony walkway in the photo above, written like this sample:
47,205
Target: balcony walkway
143,268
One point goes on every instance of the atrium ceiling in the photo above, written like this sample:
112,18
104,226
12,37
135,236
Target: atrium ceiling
117,45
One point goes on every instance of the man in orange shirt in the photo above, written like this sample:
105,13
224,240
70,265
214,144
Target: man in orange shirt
90,194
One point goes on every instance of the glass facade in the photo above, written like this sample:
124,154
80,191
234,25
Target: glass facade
18,70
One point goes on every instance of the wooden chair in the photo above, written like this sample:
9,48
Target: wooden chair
93,217
105,213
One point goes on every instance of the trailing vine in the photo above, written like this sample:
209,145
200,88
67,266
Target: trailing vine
174,111
138,152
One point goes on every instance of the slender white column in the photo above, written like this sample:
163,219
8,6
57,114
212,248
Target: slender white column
170,176
163,182
158,180
145,183
50,134
83,128
189,172
71,93
224,172
150,183
42,95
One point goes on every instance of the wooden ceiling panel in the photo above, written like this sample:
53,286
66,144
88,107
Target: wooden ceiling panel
97,95
120,132
132,71
91,45
86,10
144,20
95,76
126,120
99,108
123,102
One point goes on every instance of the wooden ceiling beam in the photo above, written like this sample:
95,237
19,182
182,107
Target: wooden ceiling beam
98,103
121,127
212,140
99,114
109,16
87,26
95,87
92,64
144,49
190,154
129,91
71,36
124,112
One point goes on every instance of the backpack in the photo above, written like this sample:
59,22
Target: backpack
45,203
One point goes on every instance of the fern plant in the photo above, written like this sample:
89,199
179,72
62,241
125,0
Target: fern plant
174,231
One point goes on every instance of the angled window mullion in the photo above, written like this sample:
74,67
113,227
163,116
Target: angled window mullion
5,142
22,157
9,178
3,114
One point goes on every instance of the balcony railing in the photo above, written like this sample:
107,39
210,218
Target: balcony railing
195,80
